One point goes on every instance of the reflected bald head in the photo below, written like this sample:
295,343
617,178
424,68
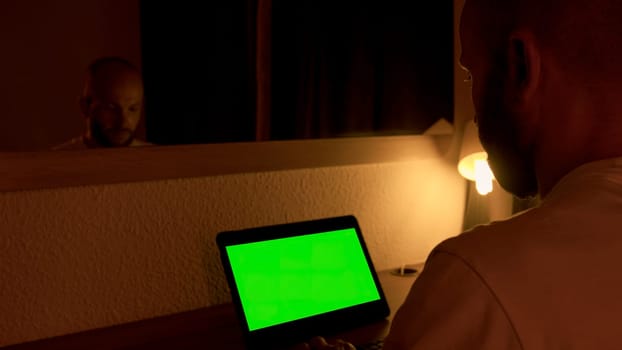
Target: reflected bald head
112,102
108,72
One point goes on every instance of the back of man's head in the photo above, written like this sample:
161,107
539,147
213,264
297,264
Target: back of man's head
583,36
546,85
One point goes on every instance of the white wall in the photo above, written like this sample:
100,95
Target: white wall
77,258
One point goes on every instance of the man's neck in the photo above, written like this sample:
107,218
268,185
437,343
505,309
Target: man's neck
583,126
553,167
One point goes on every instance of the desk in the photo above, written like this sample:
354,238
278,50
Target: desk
214,327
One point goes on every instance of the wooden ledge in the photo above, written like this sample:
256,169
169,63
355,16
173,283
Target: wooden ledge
52,169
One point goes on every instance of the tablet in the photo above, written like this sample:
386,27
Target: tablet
293,281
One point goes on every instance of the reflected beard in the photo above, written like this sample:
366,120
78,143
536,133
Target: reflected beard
104,139
512,165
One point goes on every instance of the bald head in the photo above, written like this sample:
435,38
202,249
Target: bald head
581,36
105,74
111,102
546,85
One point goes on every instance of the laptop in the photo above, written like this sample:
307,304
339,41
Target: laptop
294,281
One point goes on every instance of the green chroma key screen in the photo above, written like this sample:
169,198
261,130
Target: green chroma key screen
287,279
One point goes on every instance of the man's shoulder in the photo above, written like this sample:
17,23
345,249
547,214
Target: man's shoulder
73,144
486,245
140,143
79,142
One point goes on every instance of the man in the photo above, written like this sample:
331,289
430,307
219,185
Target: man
547,89
111,104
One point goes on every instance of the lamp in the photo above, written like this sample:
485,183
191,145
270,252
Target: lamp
473,164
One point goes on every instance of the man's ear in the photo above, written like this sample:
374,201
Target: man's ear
523,62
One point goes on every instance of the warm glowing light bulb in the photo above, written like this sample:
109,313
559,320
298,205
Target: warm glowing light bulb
483,177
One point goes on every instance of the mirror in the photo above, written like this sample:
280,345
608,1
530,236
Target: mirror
47,46
244,70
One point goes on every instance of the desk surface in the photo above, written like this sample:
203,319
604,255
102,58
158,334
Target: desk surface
211,327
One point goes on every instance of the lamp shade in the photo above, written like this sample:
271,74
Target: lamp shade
473,163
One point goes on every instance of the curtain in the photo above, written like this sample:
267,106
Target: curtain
282,69
345,68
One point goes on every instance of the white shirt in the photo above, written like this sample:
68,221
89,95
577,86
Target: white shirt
546,279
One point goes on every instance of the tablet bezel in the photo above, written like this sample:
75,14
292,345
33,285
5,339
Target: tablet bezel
325,324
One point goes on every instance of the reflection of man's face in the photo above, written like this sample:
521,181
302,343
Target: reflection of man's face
499,126
114,108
